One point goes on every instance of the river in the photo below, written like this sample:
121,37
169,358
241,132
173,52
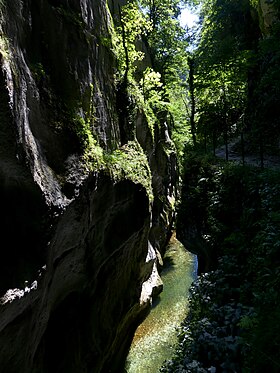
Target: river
155,339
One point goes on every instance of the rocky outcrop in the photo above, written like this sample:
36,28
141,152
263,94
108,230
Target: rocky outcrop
86,305
268,15
162,159
98,238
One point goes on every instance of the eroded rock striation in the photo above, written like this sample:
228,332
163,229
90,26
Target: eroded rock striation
82,234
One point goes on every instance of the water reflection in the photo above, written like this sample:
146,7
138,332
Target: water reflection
156,337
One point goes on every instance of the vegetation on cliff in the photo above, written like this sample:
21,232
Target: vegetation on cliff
78,78
235,77
148,47
229,213
227,87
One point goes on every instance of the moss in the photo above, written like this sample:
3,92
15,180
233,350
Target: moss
2,4
128,162
82,130
71,17
91,113
4,46
93,157
106,41
232,322
38,71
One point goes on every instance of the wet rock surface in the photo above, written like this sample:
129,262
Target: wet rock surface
91,231
78,317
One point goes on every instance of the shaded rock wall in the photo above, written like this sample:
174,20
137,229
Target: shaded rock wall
53,70
99,238
82,314
268,15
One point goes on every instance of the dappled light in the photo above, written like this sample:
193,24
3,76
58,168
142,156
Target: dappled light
122,122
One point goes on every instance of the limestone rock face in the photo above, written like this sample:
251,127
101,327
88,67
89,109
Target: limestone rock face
53,69
163,162
268,15
79,244
86,303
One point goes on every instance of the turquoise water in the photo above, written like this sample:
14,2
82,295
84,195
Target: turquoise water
156,337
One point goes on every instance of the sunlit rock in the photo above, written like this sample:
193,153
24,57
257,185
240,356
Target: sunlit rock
77,234
153,285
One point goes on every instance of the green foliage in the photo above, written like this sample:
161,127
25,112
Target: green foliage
167,44
4,47
134,84
237,72
71,16
38,71
264,102
254,3
222,60
229,215
131,163
133,26
152,98
233,323
154,84
150,84
128,162
82,129
166,38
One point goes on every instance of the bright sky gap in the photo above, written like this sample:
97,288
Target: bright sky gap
188,18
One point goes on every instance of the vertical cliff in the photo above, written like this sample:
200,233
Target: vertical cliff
84,215
267,15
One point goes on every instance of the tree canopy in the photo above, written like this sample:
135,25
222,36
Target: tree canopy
229,213
236,75
151,49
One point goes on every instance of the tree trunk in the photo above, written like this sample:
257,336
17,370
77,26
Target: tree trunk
226,142
214,143
242,148
124,47
191,87
261,151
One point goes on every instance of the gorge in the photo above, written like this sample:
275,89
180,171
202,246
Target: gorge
82,226
111,119
155,339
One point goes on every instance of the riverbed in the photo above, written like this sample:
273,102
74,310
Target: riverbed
155,339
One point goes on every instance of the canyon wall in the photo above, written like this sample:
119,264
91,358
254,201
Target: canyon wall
268,15
81,230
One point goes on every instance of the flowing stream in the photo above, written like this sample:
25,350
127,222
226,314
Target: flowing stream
155,339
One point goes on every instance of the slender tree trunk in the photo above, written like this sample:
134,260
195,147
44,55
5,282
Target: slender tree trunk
191,87
226,142
225,121
124,47
214,143
242,148
261,151
122,94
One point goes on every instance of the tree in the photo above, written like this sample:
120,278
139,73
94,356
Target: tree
168,42
160,88
132,25
223,60
192,97
166,39
264,101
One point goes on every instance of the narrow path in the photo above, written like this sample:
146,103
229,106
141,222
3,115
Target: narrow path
270,161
